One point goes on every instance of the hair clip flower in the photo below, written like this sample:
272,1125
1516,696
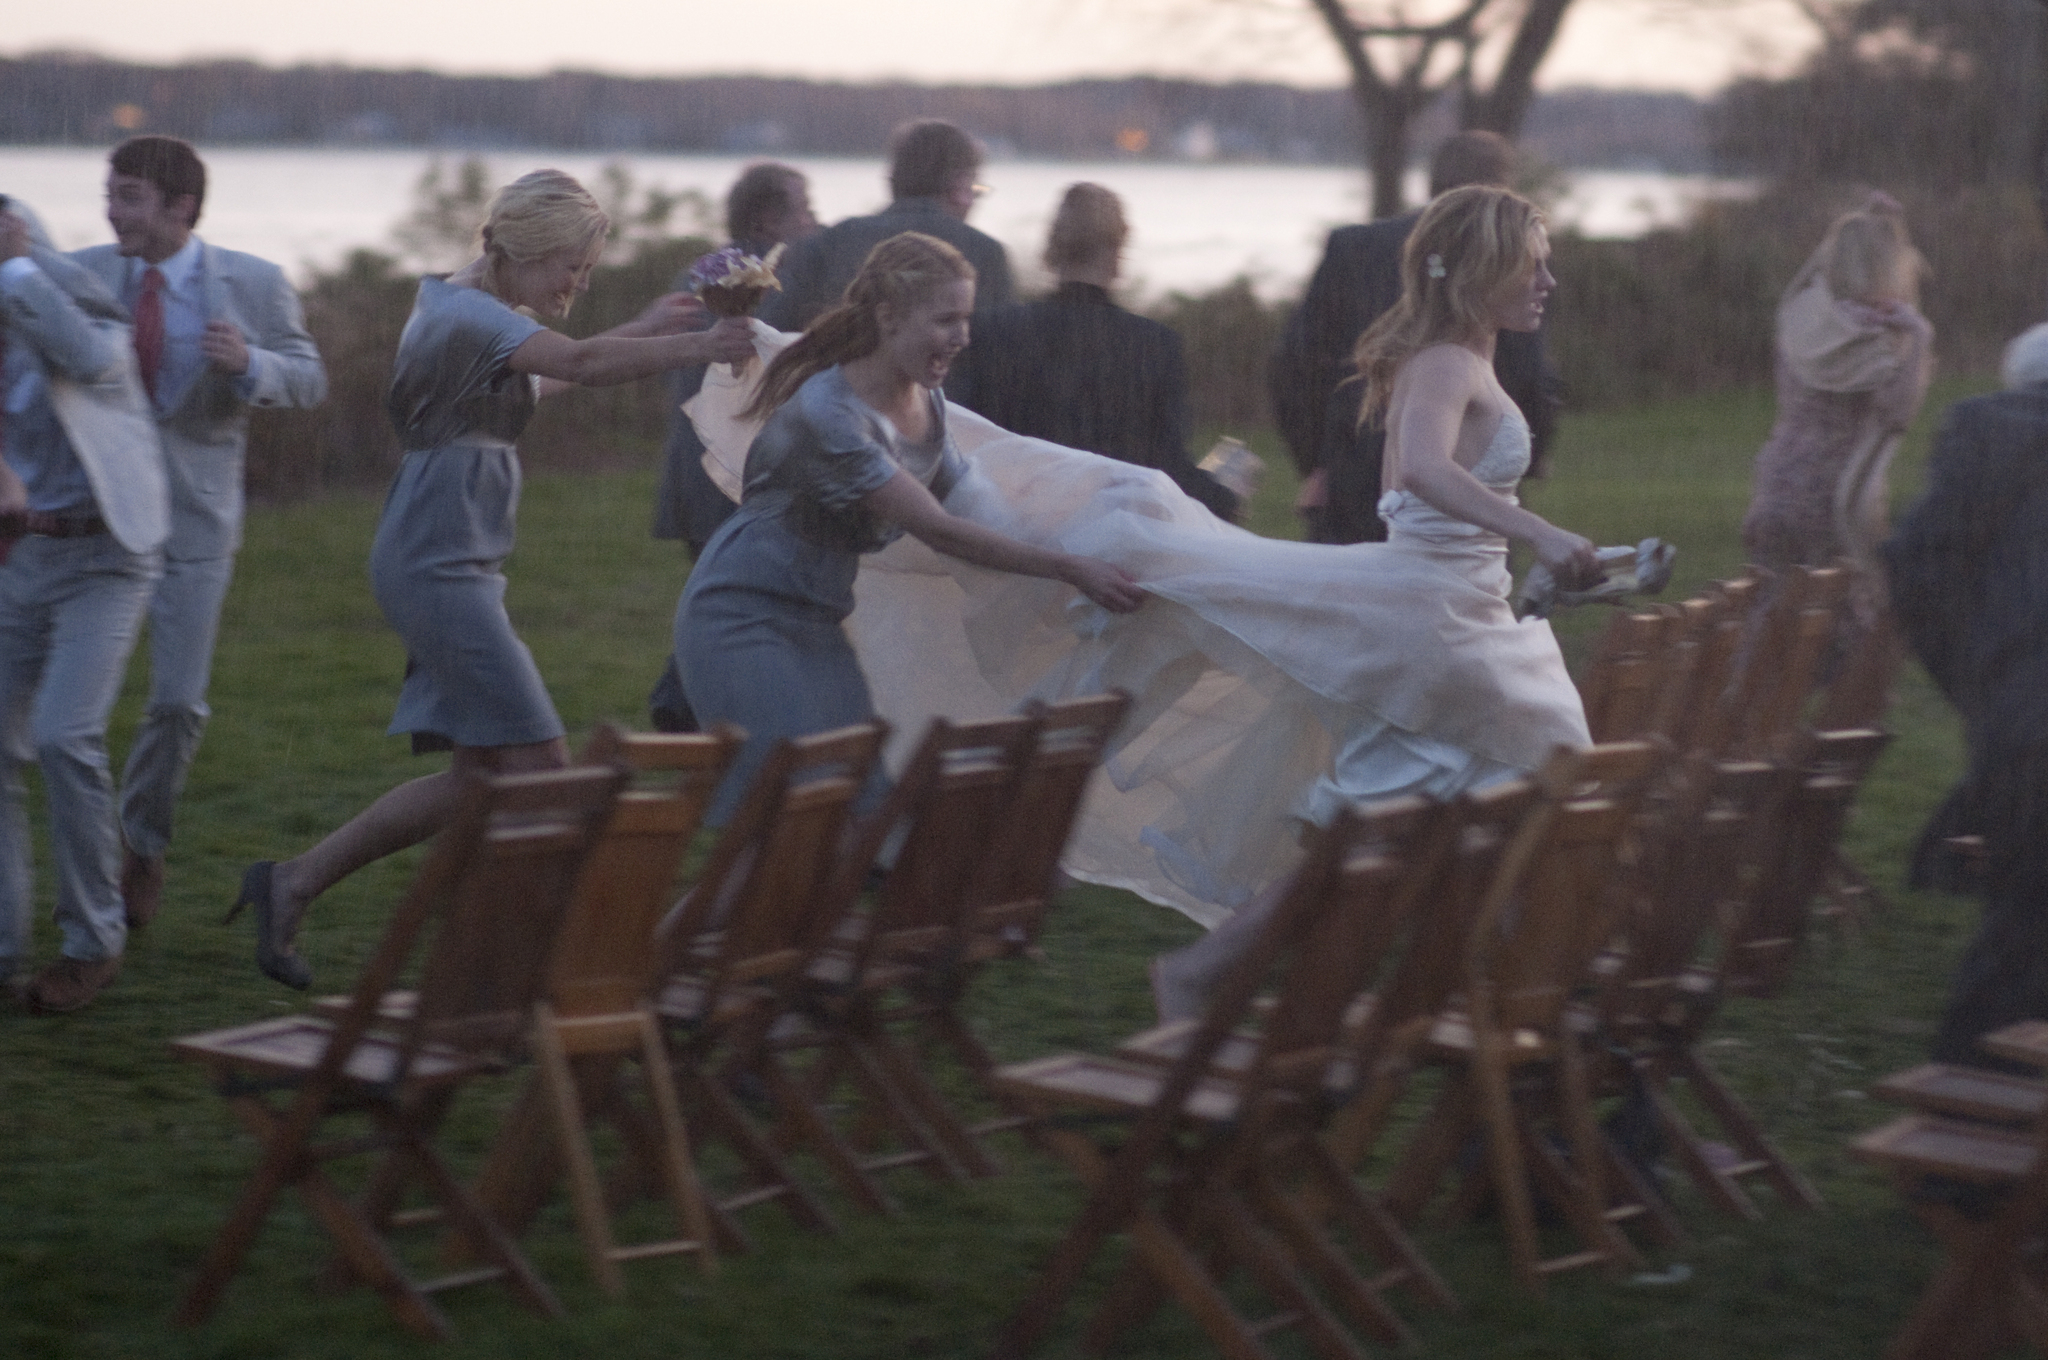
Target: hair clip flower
1435,266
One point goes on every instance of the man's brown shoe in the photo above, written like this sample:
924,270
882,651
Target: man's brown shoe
142,887
70,984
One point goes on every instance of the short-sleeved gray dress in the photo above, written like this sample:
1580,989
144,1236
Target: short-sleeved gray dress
758,636
447,525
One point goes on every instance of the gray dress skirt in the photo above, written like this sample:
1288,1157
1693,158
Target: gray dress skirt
436,563
758,636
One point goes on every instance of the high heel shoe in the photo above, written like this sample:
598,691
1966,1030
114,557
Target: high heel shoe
274,954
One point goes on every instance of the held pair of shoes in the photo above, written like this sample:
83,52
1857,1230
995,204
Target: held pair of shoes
142,887
70,984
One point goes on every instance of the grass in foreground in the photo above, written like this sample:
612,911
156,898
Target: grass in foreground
117,1164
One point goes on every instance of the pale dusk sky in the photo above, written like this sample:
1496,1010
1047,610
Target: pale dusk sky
1693,45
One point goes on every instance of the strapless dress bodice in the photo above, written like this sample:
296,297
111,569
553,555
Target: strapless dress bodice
1500,469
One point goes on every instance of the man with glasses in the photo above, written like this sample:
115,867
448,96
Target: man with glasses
933,168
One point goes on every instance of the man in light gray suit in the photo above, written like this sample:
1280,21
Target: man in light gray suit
217,333
84,511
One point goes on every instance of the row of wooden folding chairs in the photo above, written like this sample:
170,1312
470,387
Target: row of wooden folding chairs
553,939
1548,944
1741,672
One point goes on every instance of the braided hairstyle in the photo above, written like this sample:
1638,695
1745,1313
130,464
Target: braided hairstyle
899,272
1469,245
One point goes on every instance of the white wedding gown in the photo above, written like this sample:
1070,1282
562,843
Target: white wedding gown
1271,679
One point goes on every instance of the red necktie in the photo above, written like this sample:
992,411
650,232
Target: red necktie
149,327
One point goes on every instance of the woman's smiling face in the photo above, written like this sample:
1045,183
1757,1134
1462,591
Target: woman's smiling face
922,338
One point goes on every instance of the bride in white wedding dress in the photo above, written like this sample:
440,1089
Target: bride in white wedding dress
1271,679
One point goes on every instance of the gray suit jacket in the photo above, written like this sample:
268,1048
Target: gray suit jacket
817,269
204,438
76,333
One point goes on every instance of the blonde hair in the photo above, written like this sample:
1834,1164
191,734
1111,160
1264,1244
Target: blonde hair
1089,225
536,215
1470,244
1868,257
900,272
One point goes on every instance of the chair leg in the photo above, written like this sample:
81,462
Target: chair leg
1432,1151
1496,1107
902,1072
1358,1298
679,1166
1167,1256
765,1164
1748,1135
498,1245
369,1260
1274,1269
816,1132
283,1139
572,1138
1373,1225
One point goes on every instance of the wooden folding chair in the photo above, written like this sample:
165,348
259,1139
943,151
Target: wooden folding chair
598,1014
1016,874
1692,712
1784,660
733,954
1517,1073
1982,1189
1629,673
1794,854
1205,1167
953,801
495,887
1762,889
1646,1011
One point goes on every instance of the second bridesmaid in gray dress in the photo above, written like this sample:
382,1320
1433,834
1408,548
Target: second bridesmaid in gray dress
470,366
854,455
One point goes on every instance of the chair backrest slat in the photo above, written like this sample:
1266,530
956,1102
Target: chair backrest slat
1015,882
498,920
605,962
771,888
1556,897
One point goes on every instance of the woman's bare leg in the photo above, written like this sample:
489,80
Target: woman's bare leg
405,816
1183,978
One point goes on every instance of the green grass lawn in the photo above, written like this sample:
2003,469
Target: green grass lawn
117,1163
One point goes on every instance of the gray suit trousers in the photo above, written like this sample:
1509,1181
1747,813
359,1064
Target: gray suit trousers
184,622
70,610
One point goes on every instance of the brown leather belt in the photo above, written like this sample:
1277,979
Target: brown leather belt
63,526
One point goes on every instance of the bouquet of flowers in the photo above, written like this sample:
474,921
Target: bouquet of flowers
730,282
1644,569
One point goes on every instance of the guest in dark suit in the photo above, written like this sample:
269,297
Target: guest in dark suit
1968,571
1358,280
768,205
933,169
1079,370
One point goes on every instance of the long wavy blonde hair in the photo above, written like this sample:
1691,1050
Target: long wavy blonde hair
899,272
1469,245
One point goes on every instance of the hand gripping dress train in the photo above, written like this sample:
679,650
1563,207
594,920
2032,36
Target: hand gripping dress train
1271,679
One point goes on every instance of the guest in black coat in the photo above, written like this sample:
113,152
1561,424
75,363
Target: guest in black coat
1312,381
1968,570
1079,370
768,205
933,169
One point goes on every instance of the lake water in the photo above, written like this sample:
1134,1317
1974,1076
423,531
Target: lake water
1193,225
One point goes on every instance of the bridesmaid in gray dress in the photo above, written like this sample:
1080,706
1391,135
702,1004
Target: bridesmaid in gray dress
854,454
468,371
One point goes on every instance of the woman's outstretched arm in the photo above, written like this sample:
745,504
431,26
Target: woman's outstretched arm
906,501
615,357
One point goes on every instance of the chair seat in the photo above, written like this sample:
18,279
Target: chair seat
1965,1092
293,1045
395,1007
1112,1087
1932,1145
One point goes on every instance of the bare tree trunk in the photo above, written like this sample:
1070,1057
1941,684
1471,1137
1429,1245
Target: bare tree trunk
1503,108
